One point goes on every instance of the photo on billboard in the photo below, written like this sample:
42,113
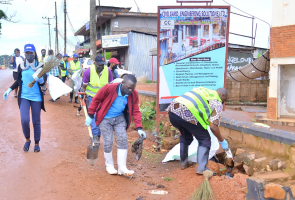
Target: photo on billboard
192,48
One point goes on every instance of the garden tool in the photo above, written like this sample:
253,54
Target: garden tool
92,150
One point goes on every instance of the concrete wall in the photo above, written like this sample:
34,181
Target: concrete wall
282,50
250,91
127,24
283,12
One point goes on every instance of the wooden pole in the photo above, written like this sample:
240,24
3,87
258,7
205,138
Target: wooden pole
65,36
56,33
93,29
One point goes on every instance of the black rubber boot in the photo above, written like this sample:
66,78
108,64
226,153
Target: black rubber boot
71,97
184,163
76,100
202,159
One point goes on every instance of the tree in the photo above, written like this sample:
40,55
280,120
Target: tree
5,16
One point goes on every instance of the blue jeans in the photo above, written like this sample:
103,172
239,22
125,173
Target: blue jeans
94,127
35,107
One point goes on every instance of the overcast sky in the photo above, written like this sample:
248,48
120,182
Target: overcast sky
33,29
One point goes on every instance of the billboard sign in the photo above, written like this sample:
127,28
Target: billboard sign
193,52
114,40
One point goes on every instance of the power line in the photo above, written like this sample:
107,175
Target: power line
143,18
71,25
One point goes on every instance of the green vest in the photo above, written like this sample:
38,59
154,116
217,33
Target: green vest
63,72
42,59
196,101
74,67
97,82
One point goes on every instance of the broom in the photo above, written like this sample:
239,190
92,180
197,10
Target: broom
204,192
52,62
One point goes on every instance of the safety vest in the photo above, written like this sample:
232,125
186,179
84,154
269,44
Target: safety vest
42,59
74,66
196,101
63,72
97,82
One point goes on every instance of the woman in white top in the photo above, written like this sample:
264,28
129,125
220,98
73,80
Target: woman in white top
15,60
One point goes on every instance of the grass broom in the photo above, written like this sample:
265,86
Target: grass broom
204,192
52,62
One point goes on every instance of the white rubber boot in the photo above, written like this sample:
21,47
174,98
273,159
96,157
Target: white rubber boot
110,163
122,158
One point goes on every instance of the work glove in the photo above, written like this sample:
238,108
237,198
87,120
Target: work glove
39,80
88,121
141,133
7,93
224,144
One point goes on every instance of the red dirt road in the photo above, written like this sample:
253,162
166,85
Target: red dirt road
60,170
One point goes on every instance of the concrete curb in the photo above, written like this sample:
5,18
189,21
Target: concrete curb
259,131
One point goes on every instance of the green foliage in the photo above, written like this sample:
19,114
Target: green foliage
148,81
167,179
2,16
147,111
149,125
7,59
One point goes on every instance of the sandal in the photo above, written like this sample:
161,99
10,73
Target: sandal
36,148
27,146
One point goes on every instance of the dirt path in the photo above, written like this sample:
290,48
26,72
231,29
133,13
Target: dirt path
60,170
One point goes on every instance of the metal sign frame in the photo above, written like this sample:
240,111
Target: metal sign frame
158,113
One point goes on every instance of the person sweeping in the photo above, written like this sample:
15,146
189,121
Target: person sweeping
94,78
29,98
192,113
114,105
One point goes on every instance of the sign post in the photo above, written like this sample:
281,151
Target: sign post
191,51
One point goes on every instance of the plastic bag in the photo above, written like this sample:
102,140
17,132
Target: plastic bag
77,79
57,88
174,153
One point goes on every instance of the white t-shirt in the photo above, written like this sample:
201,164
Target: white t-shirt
18,61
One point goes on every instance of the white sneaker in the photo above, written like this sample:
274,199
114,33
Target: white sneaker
121,159
110,163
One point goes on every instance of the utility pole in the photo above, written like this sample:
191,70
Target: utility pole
65,37
48,28
93,29
104,54
56,32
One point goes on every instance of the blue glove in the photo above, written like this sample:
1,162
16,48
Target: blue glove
141,133
39,80
224,144
7,93
88,121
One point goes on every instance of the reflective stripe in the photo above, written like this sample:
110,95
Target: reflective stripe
193,102
88,91
203,102
94,87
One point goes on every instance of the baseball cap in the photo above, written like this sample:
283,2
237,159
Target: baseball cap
66,55
114,60
100,60
29,47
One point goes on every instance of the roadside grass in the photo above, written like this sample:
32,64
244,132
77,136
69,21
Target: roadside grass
152,158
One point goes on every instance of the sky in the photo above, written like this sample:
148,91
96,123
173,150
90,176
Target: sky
32,28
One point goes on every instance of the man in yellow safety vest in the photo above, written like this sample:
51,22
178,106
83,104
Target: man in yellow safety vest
94,78
63,67
193,113
73,66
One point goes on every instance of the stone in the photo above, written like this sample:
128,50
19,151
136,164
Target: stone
139,166
273,176
268,168
176,137
254,187
229,162
251,156
274,191
239,150
274,164
259,160
282,165
249,171
237,169
213,166
169,143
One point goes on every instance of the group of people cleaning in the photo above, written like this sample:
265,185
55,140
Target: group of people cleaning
111,106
